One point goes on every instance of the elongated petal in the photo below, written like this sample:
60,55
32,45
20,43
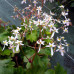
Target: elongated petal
13,50
17,48
3,48
39,48
67,48
51,52
57,50
47,46
62,53
52,35
16,36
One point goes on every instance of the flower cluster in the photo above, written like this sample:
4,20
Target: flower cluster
13,41
42,27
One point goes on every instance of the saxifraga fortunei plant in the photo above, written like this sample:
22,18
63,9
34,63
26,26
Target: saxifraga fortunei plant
35,39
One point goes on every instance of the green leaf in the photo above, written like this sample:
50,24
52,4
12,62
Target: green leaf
25,59
32,36
14,26
42,62
35,70
2,29
22,28
50,71
45,51
28,65
56,25
4,35
19,70
7,52
47,40
59,69
6,66
0,49
48,33
46,62
36,61
28,53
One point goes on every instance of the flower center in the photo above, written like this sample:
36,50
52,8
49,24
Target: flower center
50,45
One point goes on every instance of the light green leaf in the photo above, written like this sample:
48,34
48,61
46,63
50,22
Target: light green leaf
28,65
32,36
50,71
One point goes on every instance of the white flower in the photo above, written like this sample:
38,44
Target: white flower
31,27
49,18
61,6
35,2
24,1
39,22
51,45
60,47
58,39
64,13
61,50
65,30
44,14
39,9
12,47
15,32
40,42
55,30
44,1
5,44
10,42
62,38
18,43
67,22
51,25
18,28
12,38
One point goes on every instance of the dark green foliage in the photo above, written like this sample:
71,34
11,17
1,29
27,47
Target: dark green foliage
59,70
6,66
